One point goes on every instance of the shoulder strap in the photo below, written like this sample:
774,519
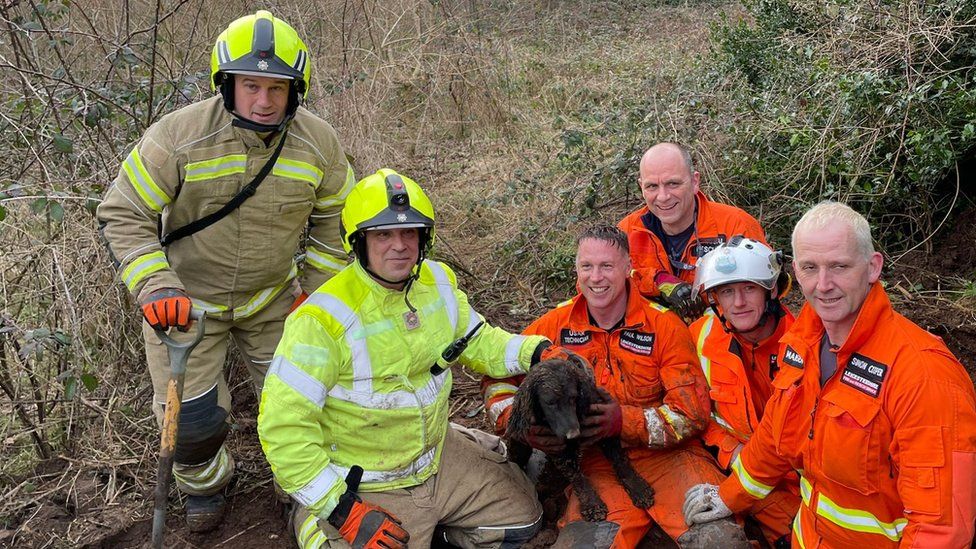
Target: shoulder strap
233,204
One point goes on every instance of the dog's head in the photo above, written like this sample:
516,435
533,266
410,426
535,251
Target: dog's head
555,393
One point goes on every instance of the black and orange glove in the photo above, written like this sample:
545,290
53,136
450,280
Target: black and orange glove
167,308
604,419
367,526
679,296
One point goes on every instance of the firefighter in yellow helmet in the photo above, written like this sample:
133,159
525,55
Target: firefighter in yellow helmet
354,413
208,212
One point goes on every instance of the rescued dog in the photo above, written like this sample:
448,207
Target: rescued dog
558,393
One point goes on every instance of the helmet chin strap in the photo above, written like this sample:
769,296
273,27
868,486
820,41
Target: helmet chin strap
241,122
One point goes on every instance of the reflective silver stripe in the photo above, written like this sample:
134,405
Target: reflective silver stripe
512,349
206,306
473,319
706,363
755,488
496,388
339,197
300,62
446,291
299,380
223,52
386,476
859,520
423,397
656,437
262,298
496,409
362,368
319,486
322,261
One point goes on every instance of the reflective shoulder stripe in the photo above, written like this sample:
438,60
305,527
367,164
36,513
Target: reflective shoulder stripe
216,167
143,183
418,464
755,488
339,197
296,169
512,349
143,266
858,520
318,487
362,368
323,261
565,303
706,363
300,381
446,291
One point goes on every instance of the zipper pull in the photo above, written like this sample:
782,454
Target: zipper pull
812,414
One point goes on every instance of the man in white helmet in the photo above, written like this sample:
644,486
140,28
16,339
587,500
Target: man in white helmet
738,339
208,212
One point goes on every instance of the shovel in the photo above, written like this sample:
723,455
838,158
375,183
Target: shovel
178,354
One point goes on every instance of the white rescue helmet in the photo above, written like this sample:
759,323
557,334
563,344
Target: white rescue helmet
739,260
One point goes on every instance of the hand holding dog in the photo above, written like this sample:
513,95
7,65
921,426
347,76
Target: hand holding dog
543,439
604,420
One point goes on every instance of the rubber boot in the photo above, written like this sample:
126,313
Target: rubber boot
204,513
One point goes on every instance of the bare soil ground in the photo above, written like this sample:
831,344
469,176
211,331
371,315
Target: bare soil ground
917,284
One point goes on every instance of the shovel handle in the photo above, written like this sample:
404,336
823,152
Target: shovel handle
178,355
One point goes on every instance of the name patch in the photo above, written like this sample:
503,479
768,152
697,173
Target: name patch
570,337
864,374
792,357
641,343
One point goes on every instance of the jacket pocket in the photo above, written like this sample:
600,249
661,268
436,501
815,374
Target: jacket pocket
921,459
850,427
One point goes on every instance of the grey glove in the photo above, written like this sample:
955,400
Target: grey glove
703,504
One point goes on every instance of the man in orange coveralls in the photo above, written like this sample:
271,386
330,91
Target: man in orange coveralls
643,357
874,412
676,226
738,340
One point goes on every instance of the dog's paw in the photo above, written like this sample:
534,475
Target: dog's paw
594,513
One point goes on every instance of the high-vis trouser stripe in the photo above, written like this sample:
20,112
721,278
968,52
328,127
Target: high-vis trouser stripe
318,487
706,363
213,475
418,464
496,409
296,169
150,193
299,380
216,167
755,488
323,261
143,266
338,198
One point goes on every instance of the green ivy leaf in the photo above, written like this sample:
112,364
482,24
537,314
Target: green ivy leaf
62,338
57,212
62,144
70,387
89,381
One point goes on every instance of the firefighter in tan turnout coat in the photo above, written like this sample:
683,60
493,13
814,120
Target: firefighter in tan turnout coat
240,270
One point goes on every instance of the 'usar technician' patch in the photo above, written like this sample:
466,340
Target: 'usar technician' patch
572,337
641,343
864,374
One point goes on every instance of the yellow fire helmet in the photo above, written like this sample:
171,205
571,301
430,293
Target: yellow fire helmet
386,200
260,45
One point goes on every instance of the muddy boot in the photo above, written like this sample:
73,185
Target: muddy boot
718,534
204,513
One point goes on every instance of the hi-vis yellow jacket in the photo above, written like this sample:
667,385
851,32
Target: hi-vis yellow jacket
191,163
350,383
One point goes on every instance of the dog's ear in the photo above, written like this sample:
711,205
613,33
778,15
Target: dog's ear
584,394
521,416
581,364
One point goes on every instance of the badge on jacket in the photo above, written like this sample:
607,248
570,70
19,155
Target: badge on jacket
864,374
411,320
641,343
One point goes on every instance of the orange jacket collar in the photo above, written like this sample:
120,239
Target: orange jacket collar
875,309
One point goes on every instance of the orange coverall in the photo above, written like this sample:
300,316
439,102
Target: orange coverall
886,450
740,380
715,224
650,367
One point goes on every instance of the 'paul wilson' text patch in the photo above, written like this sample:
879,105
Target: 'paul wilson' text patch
864,374
571,337
792,357
641,343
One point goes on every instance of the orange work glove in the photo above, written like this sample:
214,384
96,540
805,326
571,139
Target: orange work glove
298,301
367,526
166,308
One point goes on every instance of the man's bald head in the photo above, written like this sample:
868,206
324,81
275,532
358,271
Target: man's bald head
669,185
667,151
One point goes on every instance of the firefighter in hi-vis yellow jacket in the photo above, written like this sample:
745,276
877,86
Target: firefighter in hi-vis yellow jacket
208,211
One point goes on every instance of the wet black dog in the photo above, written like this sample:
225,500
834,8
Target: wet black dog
558,393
